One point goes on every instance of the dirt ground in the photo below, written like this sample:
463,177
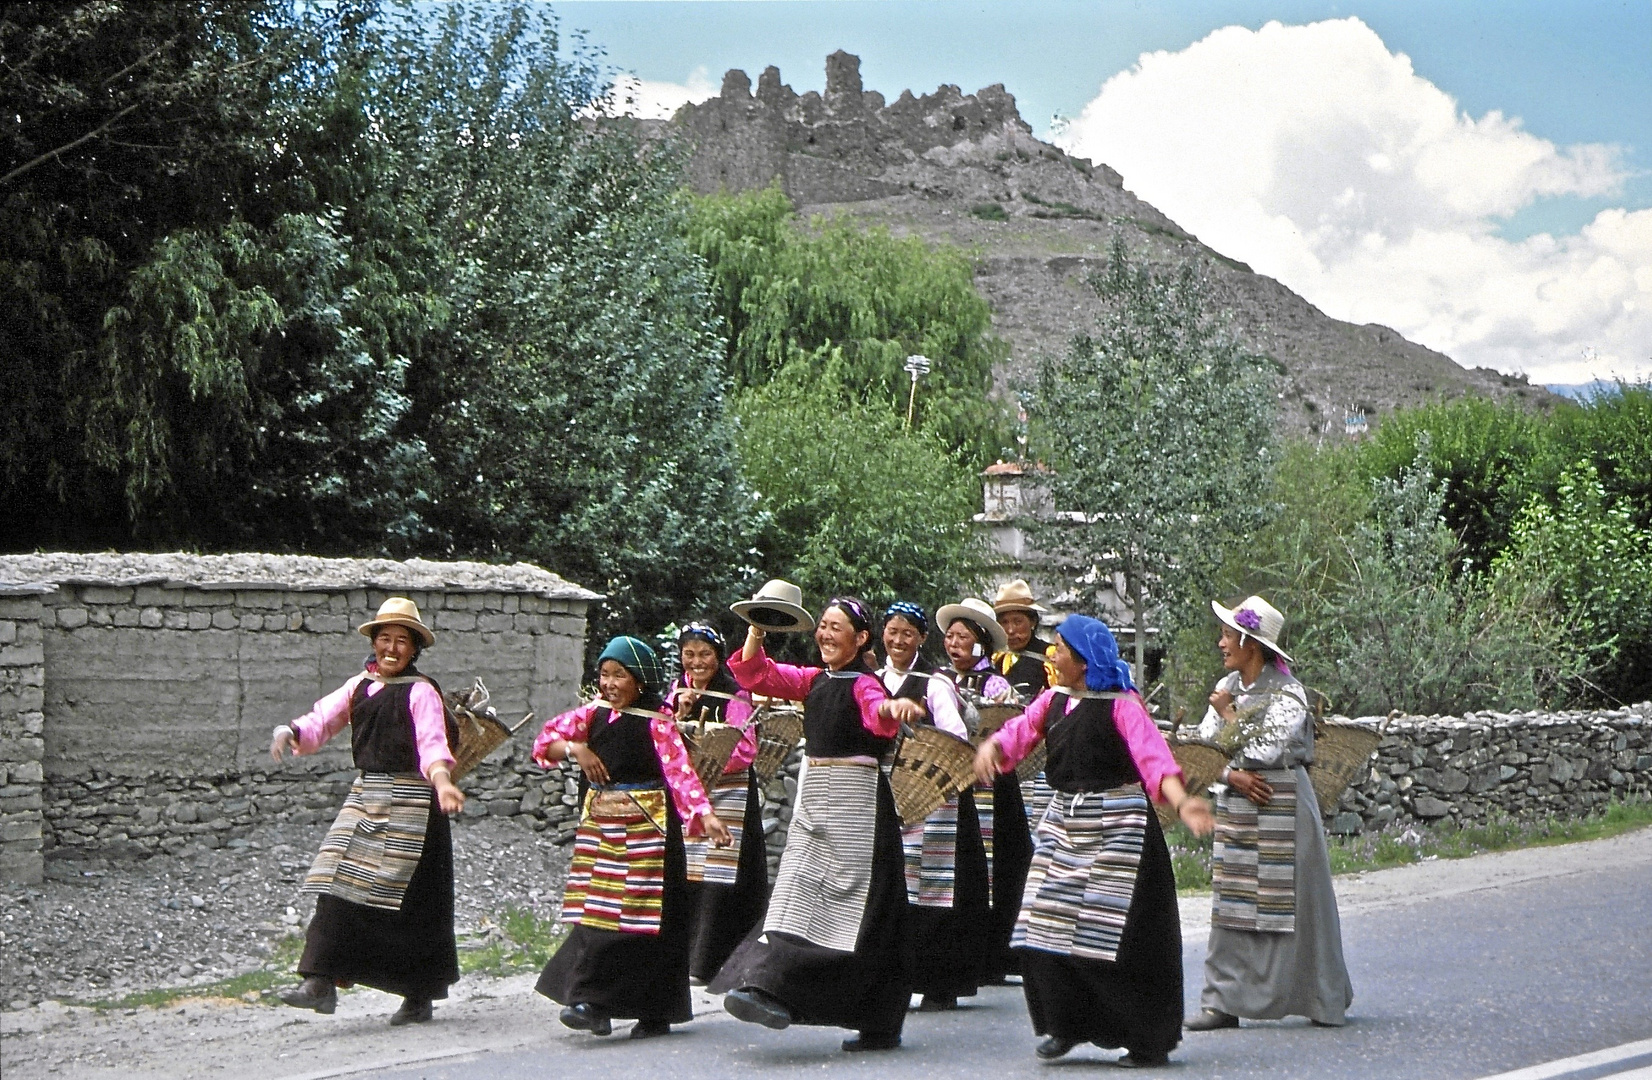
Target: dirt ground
212,1037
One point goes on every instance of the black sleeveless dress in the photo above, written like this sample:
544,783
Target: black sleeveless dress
868,989
629,975
1134,1001
411,952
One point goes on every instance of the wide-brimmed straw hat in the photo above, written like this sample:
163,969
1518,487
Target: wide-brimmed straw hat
1017,596
777,608
1255,617
977,612
398,611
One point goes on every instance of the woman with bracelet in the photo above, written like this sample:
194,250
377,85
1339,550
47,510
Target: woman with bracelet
383,878
626,897
1099,933
831,950
1275,937
728,886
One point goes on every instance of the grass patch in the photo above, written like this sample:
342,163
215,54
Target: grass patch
276,972
989,211
1059,210
513,942
1190,855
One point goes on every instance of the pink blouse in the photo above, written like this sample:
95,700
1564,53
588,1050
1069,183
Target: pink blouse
761,675
1146,743
736,713
687,792
332,714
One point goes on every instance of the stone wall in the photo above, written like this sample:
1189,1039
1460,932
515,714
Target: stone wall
1466,768
22,683
163,675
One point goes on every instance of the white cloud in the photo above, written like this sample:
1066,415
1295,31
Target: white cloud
650,100
1321,158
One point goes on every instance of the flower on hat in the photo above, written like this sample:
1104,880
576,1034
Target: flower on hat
1249,619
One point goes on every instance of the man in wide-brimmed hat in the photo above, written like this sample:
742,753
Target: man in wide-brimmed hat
383,880
1275,938
1024,659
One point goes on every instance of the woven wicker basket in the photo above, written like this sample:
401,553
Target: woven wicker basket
780,729
1033,764
930,767
481,732
710,747
1341,751
1201,764
994,717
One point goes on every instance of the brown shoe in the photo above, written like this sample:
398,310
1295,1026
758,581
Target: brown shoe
412,1012
1211,1020
315,992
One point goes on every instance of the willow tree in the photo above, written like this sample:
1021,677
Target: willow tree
1156,427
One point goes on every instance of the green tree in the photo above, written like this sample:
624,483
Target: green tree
1156,427
793,296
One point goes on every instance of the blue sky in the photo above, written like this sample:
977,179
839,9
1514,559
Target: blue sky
1575,75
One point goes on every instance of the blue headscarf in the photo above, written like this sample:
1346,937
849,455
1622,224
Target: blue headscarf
699,631
912,613
640,660
1094,644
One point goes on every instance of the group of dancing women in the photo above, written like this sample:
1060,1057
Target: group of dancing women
1058,875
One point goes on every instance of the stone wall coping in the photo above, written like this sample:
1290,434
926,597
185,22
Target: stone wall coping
279,573
35,588
1632,716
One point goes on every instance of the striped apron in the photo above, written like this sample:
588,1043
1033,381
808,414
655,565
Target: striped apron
374,845
1088,847
617,878
706,861
1253,862
931,851
984,810
821,889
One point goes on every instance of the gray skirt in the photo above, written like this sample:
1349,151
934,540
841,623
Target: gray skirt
1265,976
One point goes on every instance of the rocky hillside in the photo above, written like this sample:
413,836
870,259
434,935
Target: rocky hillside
965,168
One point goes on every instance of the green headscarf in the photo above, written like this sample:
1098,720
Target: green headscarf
636,657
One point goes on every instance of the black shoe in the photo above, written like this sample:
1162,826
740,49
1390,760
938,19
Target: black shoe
756,1006
1054,1047
937,1003
650,1029
865,1040
411,1012
1211,1020
583,1016
315,993
1322,1023
1137,1059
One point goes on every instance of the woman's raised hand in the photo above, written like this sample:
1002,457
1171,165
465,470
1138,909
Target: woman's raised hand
282,739
987,762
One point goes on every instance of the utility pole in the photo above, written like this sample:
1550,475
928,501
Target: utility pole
915,365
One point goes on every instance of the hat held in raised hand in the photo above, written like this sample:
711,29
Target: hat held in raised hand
1255,617
398,611
776,608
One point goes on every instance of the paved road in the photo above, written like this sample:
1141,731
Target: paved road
1454,977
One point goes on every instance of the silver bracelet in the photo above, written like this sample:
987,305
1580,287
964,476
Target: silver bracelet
275,732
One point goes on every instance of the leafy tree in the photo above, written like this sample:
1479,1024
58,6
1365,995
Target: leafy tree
855,502
794,296
1156,427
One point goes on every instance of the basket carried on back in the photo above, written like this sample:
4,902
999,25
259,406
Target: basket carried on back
931,766
780,729
481,732
1341,751
1202,764
709,747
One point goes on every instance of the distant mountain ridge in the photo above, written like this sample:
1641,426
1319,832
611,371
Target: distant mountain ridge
966,169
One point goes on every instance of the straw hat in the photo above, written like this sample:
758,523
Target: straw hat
1017,596
777,608
398,611
977,612
1255,617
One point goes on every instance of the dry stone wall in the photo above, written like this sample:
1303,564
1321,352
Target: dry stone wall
1468,768
22,749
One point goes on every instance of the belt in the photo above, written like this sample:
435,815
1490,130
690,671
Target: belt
863,762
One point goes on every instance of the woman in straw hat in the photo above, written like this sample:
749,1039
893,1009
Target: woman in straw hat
1024,659
384,876
1275,938
948,881
1099,933
973,635
626,896
831,948
729,886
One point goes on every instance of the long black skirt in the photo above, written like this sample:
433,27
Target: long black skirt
410,952
725,914
1134,1001
866,990
1012,851
631,976
949,957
